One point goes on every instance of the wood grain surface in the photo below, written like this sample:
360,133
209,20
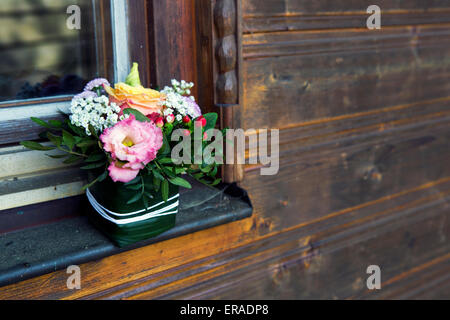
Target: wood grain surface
364,161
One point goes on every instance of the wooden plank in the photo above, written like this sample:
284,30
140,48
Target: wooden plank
332,268
295,7
172,45
426,281
331,175
15,123
292,15
314,75
139,36
290,22
178,259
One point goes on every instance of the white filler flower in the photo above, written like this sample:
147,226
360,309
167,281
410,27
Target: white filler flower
95,111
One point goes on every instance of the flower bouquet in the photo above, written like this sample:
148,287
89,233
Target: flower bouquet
136,144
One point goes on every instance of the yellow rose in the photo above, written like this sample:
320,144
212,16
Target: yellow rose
145,100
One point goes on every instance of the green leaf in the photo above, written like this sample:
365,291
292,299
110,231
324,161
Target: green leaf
165,149
86,143
156,183
206,169
43,135
180,182
135,198
148,195
56,140
135,187
55,123
211,120
165,161
133,78
103,176
144,199
198,175
158,175
57,156
137,114
93,166
99,179
68,139
168,172
216,182
134,181
92,131
75,129
213,173
168,128
72,159
95,157
179,170
165,190
41,122
35,146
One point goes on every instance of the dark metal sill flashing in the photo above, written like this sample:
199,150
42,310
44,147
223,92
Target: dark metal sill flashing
48,247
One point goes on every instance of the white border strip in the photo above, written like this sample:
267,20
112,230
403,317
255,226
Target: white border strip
119,22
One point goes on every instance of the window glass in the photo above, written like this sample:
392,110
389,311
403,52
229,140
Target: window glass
40,55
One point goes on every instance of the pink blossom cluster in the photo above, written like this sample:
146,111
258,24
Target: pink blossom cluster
132,145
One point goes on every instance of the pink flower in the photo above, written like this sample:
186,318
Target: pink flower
132,144
85,95
123,173
96,83
192,106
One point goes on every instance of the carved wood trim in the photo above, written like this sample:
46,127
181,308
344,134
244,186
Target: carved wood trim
227,50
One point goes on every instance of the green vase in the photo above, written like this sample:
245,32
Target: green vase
126,223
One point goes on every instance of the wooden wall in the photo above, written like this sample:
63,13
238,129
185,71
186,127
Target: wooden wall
364,167
364,144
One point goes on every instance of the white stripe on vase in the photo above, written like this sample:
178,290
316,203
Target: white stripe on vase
158,213
88,193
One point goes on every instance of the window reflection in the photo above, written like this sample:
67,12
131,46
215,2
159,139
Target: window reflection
39,55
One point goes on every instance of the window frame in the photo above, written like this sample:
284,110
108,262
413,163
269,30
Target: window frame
15,123
169,39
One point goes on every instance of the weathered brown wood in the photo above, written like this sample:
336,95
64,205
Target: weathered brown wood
349,171
204,21
294,15
103,36
172,33
163,268
339,7
267,22
227,42
364,153
331,269
321,74
138,33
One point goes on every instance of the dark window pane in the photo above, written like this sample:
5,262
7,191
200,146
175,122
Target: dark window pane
39,55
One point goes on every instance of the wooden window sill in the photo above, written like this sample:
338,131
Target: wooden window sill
37,250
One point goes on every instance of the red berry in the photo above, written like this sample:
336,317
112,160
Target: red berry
200,122
160,122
